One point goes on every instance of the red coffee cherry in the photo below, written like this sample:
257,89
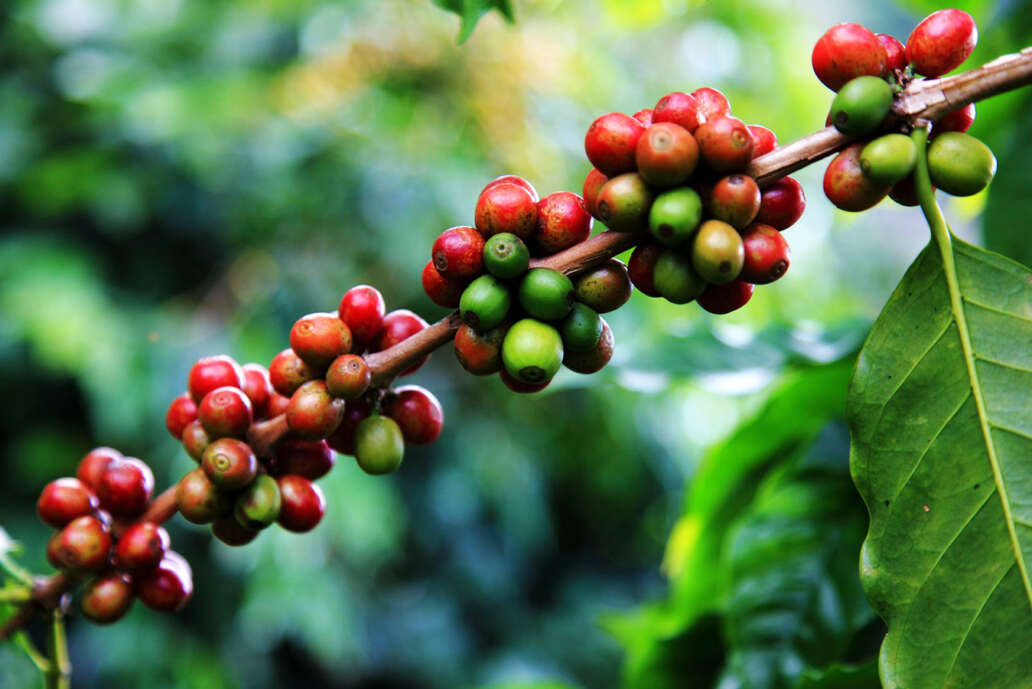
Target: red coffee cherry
126,487
667,154
311,459
288,372
782,204
677,108
319,338
593,184
225,413
519,386
766,255
710,103
277,405
959,120
94,464
641,265
845,52
167,587
905,193
257,387
302,504
362,308
343,439
611,142
895,53
506,208
644,116
846,185
314,413
348,377
458,253
442,291
480,353
735,199
418,413
53,550
604,288
563,220
180,412
199,500
142,546
941,42
400,325
213,372
764,140
591,360
63,500
231,532
195,440
512,179
106,598
230,464
725,143
83,545
726,298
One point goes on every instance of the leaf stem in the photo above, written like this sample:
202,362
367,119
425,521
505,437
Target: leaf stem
60,674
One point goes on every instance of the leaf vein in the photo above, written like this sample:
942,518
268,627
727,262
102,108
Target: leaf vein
994,309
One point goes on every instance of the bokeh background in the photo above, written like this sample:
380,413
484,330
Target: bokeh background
186,178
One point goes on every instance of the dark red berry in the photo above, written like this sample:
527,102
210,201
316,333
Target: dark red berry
228,530
766,255
288,372
735,199
142,546
641,265
593,184
167,587
678,108
319,338
442,290
458,253
84,545
195,440
418,413
63,500
764,140
126,487
258,388
667,154
343,439
725,143
895,53
959,120
506,208
311,459
512,179
591,360
400,325
314,413
54,550
106,598
348,377
213,372
278,404
230,464
519,386
727,297
644,116
905,192
846,185
845,52
710,103
480,353
941,42
180,412
198,499
611,143
94,464
605,287
362,308
225,413
302,504
781,204
563,220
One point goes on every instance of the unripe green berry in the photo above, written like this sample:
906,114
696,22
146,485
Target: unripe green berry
717,252
546,294
581,329
259,504
888,159
674,216
379,445
532,351
960,164
485,303
675,279
506,256
861,105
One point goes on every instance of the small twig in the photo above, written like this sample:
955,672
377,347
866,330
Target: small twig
60,674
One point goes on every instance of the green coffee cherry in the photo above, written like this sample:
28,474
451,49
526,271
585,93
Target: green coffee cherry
960,164
506,256
717,252
259,504
581,329
484,303
888,159
675,215
546,294
861,105
675,279
532,351
379,445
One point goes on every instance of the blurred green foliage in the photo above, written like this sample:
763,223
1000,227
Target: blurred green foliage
181,178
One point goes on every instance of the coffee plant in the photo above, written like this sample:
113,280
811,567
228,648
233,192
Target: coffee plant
938,405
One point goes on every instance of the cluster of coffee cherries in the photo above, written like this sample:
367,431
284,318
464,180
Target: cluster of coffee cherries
866,70
676,175
100,536
524,322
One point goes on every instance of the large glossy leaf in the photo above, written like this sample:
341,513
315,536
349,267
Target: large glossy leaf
941,418
1009,204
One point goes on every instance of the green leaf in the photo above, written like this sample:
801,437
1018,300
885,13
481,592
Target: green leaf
1009,204
470,12
841,677
941,422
